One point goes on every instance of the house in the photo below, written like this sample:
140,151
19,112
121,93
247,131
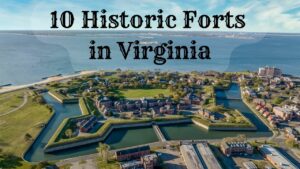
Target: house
266,114
232,148
134,164
206,114
259,101
183,106
132,153
276,158
249,92
291,133
149,161
86,125
296,99
284,113
260,89
167,109
192,99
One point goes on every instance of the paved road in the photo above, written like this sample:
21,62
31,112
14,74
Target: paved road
78,161
172,159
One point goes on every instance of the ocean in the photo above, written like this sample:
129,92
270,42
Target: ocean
29,56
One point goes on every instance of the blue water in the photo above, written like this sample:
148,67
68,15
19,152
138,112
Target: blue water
27,57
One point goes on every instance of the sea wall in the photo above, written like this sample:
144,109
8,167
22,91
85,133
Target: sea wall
61,100
224,128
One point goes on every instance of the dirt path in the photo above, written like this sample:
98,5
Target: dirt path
25,99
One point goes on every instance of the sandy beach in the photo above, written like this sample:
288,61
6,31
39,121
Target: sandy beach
48,80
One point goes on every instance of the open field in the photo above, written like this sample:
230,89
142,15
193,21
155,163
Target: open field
10,101
139,93
25,121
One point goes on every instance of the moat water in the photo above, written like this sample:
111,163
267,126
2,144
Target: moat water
121,138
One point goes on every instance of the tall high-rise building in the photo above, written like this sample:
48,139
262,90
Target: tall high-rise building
269,72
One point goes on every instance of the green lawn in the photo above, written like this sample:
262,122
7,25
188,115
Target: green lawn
9,101
14,126
139,93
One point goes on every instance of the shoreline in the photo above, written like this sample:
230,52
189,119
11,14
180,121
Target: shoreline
12,88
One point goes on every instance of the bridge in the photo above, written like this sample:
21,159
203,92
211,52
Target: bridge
159,134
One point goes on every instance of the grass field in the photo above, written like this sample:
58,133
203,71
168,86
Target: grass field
14,126
139,93
9,101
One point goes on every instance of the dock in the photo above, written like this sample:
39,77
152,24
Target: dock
158,133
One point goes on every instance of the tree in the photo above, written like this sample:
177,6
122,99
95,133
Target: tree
27,137
103,152
291,143
69,133
160,95
91,83
39,99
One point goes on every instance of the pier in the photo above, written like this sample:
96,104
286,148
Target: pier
159,134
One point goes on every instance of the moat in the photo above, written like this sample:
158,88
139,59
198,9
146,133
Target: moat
121,138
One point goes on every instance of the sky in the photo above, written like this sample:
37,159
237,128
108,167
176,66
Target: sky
260,15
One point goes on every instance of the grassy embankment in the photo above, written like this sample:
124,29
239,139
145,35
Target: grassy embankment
9,101
56,141
19,128
87,108
62,98
239,120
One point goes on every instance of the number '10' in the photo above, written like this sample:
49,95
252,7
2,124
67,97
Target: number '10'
66,19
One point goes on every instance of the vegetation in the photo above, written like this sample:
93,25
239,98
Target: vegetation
111,164
261,164
103,152
222,126
19,128
277,100
57,140
148,93
87,107
10,101
256,143
236,120
291,143
62,98
222,84
105,158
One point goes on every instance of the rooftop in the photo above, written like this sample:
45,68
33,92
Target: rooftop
276,157
132,150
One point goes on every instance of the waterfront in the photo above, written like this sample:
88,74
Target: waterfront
50,53
121,138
